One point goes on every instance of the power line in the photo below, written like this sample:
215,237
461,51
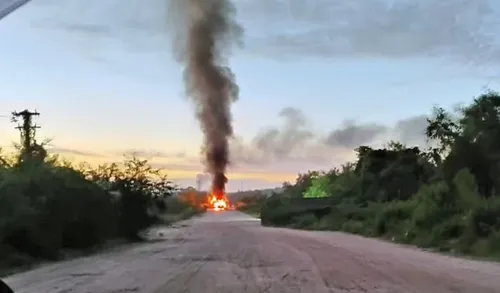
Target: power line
26,128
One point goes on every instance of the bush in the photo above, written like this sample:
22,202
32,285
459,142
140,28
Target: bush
447,197
133,213
353,226
252,203
393,218
47,207
180,210
303,221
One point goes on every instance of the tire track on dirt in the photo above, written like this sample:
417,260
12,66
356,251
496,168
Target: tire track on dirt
354,268
214,254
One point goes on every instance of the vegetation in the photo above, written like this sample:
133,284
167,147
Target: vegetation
190,201
445,197
251,202
49,207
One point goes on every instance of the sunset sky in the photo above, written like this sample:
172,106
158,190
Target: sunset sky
317,78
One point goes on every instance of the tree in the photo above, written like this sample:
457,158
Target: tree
446,196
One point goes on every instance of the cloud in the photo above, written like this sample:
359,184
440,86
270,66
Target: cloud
292,146
147,153
177,166
131,24
295,141
412,130
153,154
202,179
281,142
461,30
352,135
69,151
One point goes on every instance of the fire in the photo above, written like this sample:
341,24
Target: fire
217,200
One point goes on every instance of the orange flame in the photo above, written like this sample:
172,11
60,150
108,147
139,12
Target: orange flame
217,200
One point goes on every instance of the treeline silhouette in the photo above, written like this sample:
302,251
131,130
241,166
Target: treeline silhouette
446,196
49,206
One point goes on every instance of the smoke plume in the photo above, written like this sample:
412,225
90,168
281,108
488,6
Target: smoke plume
205,31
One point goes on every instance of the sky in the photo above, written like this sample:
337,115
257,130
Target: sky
317,79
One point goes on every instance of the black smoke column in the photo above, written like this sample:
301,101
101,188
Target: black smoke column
205,31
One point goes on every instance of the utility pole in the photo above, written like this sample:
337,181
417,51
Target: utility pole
26,128
198,183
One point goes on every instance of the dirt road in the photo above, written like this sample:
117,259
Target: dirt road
230,252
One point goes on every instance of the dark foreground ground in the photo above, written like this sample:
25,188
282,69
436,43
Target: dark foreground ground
229,252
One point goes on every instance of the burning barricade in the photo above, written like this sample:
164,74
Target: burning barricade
217,200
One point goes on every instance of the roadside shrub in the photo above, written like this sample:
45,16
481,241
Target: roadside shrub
303,221
393,219
353,226
445,197
133,210
50,206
